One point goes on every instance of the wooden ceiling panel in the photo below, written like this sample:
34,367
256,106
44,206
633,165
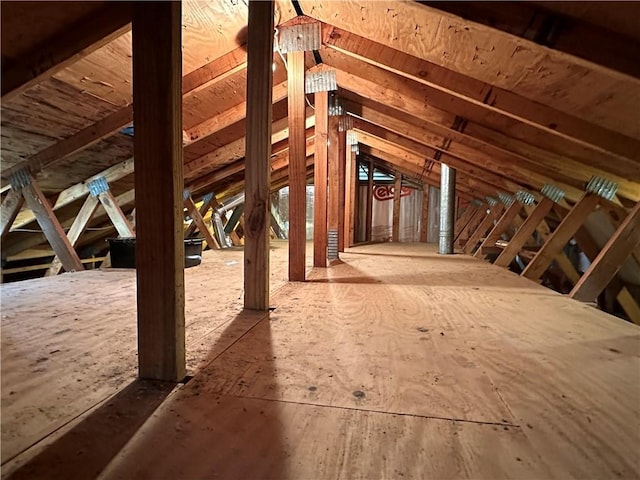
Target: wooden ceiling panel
488,55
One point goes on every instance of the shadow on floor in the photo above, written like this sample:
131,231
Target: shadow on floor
87,448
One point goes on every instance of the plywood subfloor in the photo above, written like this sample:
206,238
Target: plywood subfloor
397,363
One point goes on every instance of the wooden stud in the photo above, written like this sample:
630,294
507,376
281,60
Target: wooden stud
471,225
424,214
610,259
561,236
500,227
77,228
117,217
485,225
369,214
258,152
157,96
342,165
11,205
320,179
38,203
333,203
297,168
463,221
397,199
351,182
199,222
524,232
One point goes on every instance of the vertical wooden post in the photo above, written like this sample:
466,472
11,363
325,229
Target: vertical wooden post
258,155
610,258
350,180
320,180
333,213
297,167
424,214
369,216
397,190
11,205
157,82
342,165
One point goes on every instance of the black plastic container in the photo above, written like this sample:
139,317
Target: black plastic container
123,252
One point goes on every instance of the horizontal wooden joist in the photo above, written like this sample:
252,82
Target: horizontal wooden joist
476,100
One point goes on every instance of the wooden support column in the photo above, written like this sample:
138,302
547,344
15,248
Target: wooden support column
39,205
485,225
424,214
333,210
369,215
297,166
258,155
610,259
524,232
503,224
342,165
157,82
320,180
199,221
350,204
397,190
11,205
77,228
561,236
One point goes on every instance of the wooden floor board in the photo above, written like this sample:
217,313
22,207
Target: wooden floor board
394,363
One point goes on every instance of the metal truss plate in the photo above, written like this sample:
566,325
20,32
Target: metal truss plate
552,192
20,178
336,106
324,81
300,38
525,198
98,186
505,198
491,201
603,187
352,138
345,122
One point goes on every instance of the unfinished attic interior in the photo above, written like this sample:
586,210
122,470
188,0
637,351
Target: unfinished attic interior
320,239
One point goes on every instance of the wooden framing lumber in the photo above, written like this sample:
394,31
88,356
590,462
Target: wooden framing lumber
297,168
11,205
258,152
204,208
351,181
39,205
116,215
397,190
342,165
610,258
424,214
333,197
320,179
77,228
505,221
199,222
483,227
524,232
157,95
463,220
79,190
87,35
369,213
471,225
561,235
